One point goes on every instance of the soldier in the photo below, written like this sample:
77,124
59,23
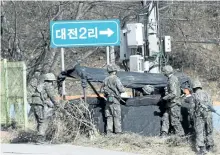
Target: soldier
148,90
172,114
112,88
44,96
202,119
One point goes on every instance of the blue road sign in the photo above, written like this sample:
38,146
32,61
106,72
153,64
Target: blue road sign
85,33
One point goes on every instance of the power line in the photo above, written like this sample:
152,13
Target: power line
187,19
194,3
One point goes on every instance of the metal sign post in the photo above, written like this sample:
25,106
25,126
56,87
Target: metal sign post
63,68
107,55
112,55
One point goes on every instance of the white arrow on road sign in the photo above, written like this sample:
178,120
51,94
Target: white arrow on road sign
108,32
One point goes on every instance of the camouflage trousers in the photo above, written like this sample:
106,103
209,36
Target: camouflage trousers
40,118
172,117
113,115
204,131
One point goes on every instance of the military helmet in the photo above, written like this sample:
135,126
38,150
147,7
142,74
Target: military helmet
167,70
148,89
49,77
197,84
111,68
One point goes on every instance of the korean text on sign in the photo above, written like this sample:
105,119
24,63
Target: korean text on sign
74,33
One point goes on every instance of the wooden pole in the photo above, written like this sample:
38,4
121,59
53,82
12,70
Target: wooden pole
6,91
25,96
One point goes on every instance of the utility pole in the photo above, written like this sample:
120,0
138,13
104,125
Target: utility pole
152,34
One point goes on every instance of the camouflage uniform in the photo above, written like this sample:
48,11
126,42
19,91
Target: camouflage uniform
172,114
202,118
112,89
44,95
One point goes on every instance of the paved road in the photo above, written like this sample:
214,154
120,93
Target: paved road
64,149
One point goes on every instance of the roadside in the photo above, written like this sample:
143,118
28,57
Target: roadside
65,149
127,142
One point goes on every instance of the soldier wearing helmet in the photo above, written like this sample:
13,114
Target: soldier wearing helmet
197,84
203,124
172,114
148,89
49,77
112,88
43,97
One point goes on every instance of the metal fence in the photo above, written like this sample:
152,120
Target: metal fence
13,93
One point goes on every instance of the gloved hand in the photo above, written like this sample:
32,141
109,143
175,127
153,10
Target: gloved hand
165,98
166,90
161,100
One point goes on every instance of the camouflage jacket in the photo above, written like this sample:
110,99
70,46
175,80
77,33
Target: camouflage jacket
173,91
201,100
113,87
44,94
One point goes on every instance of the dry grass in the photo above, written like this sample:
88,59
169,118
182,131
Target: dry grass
6,136
69,122
64,125
128,142
144,145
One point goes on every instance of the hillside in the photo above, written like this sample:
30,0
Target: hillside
193,26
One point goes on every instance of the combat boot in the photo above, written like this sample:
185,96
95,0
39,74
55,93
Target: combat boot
201,151
119,133
40,140
210,148
109,133
163,134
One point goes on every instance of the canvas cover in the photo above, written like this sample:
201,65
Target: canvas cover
129,79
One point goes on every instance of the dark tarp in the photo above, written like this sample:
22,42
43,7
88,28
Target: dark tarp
136,118
129,79
140,115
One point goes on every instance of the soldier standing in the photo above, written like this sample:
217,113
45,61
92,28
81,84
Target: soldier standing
202,119
172,114
112,89
44,96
